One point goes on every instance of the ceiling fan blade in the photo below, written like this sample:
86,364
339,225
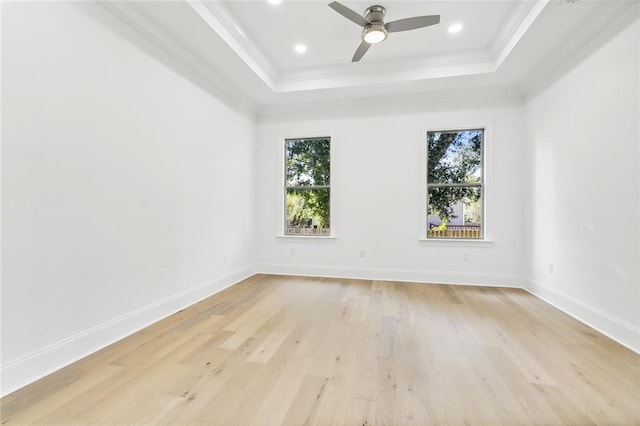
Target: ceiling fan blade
349,14
360,51
412,23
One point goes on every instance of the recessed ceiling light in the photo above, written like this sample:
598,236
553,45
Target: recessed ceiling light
455,28
274,2
300,48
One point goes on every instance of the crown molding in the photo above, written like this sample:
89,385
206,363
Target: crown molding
217,16
519,13
603,27
520,31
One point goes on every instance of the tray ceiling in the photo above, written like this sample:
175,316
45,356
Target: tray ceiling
245,48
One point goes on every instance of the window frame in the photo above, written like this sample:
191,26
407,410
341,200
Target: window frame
486,149
286,187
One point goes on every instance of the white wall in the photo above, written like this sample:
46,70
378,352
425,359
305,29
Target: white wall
584,188
378,182
125,188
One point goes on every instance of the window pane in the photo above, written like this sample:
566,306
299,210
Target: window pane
307,211
454,212
454,157
307,162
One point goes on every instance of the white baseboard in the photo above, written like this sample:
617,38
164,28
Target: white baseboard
622,332
29,368
408,275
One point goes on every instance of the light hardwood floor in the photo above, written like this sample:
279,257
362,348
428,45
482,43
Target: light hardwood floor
289,350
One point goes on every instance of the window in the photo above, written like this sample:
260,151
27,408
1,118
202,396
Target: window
307,191
455,184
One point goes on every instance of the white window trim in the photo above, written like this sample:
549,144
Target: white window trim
487,168
281,184
307,237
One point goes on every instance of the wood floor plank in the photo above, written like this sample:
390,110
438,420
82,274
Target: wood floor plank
270,345
293,350
53,400
279,397
306,401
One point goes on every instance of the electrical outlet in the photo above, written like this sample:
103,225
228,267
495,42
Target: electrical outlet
551,268
465,257
292,251
363,253
225,258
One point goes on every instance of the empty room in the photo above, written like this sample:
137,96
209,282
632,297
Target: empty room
292,212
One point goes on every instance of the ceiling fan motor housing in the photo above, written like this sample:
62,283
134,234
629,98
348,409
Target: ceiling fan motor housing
375,14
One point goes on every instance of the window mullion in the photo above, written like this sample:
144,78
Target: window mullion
308,187
455,185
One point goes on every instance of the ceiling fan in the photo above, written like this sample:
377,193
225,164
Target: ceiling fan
375,30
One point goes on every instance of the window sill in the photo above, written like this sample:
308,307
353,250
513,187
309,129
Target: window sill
307,237
456,242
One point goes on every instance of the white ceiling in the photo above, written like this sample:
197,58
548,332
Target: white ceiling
243,49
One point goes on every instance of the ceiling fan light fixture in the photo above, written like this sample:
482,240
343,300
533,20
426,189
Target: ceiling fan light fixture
374,33
374,28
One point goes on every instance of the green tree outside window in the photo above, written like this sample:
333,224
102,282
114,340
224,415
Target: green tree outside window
307,186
